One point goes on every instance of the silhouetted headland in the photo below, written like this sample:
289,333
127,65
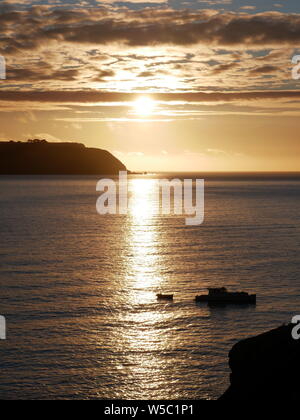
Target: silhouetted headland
38,157
265,368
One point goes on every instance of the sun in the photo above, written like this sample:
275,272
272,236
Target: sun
144,106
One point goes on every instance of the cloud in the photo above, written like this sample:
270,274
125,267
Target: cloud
133,1
221,29
224,67
103,74
264,69
28,75
107,97
148,27
90,53
248,7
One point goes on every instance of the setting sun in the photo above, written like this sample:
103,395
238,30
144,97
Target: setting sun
144,106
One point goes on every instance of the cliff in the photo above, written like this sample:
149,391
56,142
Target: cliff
265,368
43,158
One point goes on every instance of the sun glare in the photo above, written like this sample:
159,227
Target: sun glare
144,106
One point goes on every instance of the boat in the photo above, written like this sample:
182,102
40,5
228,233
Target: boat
222,296
161,296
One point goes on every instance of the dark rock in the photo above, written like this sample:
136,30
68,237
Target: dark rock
265,368
42,158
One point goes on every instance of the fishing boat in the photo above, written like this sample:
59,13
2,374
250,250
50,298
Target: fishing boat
222,296
161,296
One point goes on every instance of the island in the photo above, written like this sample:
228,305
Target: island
39,157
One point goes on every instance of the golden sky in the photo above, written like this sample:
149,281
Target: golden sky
173,86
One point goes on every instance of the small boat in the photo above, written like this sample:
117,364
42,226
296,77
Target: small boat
222,296
160,296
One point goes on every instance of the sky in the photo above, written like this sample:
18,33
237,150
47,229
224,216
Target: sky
164,85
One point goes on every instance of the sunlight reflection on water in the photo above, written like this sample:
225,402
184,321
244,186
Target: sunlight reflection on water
144,340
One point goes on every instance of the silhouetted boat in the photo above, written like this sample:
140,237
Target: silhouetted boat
160,296
221,296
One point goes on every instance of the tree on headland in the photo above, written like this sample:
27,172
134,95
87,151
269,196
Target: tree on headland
37,141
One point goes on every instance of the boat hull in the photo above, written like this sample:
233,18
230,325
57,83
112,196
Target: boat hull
165,297
238,300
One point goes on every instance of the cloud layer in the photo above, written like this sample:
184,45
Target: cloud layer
29,29
110,54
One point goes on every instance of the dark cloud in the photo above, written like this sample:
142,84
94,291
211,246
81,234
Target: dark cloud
17,75
147,74
38,26
264,69
103,74
221,29
224,68
96,96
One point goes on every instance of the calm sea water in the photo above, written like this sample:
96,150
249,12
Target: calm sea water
79,290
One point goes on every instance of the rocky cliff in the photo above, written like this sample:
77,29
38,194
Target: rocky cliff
265,368
43,158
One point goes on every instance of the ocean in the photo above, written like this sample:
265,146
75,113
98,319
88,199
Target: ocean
78,290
